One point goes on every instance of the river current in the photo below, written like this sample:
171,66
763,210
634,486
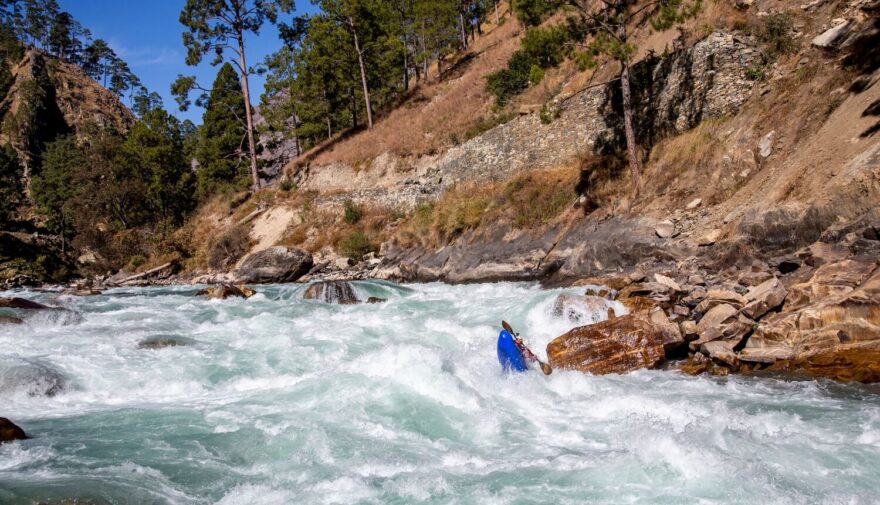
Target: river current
277,400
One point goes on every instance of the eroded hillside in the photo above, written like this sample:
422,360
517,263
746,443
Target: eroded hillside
746,145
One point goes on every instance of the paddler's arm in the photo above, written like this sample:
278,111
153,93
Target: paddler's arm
527,354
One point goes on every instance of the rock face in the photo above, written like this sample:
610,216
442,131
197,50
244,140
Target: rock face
837,336
339,292
276,264
9,431
225,291
618,345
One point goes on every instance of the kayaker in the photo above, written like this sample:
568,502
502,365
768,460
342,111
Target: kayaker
513,353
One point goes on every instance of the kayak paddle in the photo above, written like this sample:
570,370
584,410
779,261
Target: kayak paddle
544,366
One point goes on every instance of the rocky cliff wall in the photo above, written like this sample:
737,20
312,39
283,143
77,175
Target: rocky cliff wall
674,92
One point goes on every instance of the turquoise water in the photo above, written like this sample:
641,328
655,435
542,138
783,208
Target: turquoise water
277,400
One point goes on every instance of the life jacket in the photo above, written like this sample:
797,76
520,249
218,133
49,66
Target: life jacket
509,355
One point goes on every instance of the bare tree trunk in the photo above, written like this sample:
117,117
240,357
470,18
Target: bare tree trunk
246,94
632,148
357,48
497,19
405,65
463,32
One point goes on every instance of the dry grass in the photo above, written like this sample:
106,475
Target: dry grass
527,201
436,111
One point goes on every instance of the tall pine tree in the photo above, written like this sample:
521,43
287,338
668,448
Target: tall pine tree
222,157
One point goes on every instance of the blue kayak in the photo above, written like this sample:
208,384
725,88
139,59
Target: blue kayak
509,355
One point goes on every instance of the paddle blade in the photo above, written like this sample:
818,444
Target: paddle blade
546,368
506,326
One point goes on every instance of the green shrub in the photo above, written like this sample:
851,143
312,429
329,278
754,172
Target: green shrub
533,12
549,113
512,80
536,74
547,46
287,185
776,35
756,74
355,246
353,213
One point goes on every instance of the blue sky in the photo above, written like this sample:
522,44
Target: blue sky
148,36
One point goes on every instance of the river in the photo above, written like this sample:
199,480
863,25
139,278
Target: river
277,400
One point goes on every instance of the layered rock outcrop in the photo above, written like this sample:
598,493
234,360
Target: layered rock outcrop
275,264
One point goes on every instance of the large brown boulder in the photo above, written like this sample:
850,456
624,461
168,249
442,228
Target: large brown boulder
722,322
275,264
617,345
340,292
9,431
224,291
764,297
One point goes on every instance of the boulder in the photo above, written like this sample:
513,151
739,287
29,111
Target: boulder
224,291
30,377
696,202
275,264
765,145
754,277
583,309
664,229
709,238
376,299
668,282
339,292
834,36
22,303
722,322
653,290
721,351
9,431
715,297
672,338
617,345
763,298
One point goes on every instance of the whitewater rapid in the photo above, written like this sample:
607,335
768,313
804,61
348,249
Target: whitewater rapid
277,400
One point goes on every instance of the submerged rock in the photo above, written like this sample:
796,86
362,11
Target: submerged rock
22,303
224,291
340,292
10,320
161,342
9,431
617,345
32,378
376,299
275,264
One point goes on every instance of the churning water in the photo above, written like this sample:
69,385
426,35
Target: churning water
278,400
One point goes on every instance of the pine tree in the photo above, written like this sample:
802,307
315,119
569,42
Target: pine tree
154,152
218,27
607,26
10,185
221,154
